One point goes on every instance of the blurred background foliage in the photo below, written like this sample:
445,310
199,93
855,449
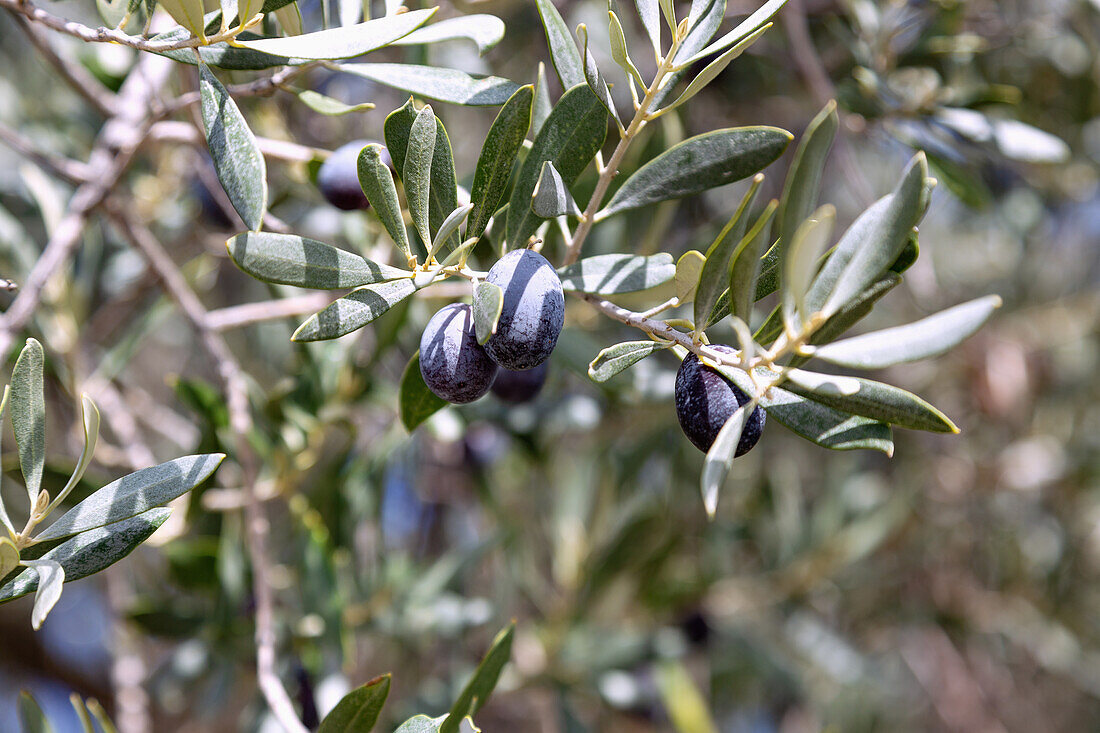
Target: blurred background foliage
952,587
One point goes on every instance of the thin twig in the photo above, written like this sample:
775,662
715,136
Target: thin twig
109,35
70,171
174,131
248,314
257,88
240,418
83,83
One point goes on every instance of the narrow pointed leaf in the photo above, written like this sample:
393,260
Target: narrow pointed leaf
571,136
134,494
542,106
89,417
290,18
617,273
922,339
445,85
486,31
595,80
617,358
416,403
699,163
51,577
849,315
89,552
871,244
237,159
711,71
744,271
748,26
704,18
488,303
498,156
396,129
563,52
359,709
28,415
720,457
481,685
417,171
449,226
4,518
288,259
188,13
551,197
328,106
376,180
345,42
800,261
620,53
354,310
868,398
815,422
803,184
715,275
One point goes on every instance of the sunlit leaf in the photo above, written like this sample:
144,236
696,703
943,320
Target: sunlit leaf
650,14
720,457
237,158
617,273
28,415
417,170
617,358
715,274
89,418
484,30
377,183
800,262
481,685
442,84
288,259
488,303
922,339
800,191
354,310
134,494
328,106
345,42
594,78
551,197
711,71
699,163
51,577
570,138
498,156
688,269
563,52
747,27
31,716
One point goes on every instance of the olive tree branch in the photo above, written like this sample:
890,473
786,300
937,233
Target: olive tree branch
611,169
109,35
240,417
68,170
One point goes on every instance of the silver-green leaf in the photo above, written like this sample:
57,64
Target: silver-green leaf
237,158
803,183
922,339
563,52
551,197
719,458
498,156
699,163
344,42
486,31
444,85
354,310
417,171
133,494
289,259
617,273
376,180
28,415
488,303
617,358
715,275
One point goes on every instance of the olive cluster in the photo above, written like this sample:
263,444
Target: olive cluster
513,361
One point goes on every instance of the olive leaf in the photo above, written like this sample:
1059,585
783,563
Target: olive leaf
417,170
699,163
497,158
719,458
617,273
476,692
354,310
28,415
376,180
444,85
563,52
237,158
488,304
359,709
288,259
344,42
486,31
617,358
416,403
551,197
715,273
800,191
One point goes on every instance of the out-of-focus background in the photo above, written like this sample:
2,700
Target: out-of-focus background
953,587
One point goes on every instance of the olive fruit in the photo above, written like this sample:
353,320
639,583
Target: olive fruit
452,362
533,312
705,400
338,177
520,386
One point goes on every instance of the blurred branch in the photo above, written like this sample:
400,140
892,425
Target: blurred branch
114,148
83,83
812,70
183,132
258,88
107,35
240,418
70,171
238,316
